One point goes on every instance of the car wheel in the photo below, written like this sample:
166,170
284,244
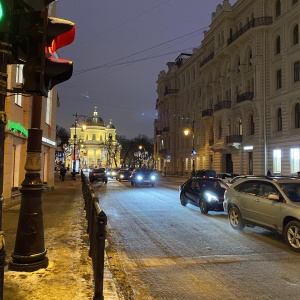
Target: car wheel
292,235
105,181
235,218
132,183
183,201
203,206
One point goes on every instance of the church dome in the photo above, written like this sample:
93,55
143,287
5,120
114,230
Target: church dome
110,125
94,120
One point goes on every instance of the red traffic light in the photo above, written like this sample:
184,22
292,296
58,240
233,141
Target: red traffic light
60,33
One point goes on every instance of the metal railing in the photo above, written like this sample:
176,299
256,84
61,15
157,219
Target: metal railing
96,229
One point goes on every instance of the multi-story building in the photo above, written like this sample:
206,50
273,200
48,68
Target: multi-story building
93,144
238,92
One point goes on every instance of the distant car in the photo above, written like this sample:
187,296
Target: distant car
206,193
114,172
108,172
123,174
206,173
269,203
143,176
98,174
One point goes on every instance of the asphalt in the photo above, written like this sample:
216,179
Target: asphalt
69,275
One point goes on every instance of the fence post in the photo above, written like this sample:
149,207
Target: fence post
101,222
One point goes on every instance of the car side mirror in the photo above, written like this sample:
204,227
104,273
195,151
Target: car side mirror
273,197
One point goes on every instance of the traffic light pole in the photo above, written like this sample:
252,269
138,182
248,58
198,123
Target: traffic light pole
29,254
4,48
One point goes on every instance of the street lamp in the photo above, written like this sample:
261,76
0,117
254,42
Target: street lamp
75,142
187,132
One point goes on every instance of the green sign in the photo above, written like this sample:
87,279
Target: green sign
17,127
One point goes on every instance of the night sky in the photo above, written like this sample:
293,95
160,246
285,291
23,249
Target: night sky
119,50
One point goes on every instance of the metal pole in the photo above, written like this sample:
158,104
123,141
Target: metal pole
4,49
74,156
193,152
29,254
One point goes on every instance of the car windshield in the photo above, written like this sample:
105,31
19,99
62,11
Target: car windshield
291,190
98,171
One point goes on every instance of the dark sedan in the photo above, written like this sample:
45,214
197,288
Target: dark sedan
143,176
98,174
123,174
206,193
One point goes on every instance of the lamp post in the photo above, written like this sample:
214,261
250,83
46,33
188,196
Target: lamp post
75,142
187,132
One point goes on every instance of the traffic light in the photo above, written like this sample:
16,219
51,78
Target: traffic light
5,15
45,35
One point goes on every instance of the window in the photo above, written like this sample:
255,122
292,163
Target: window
240,126
277,46
294,1
277,161
48,109
19,79
94,137
295,35
278,79
296,71
297,115
279,120
220,130
295,154
251,125
278,9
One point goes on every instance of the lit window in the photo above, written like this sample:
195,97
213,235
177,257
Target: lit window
295,154
48,109
277,161
19,73
18,99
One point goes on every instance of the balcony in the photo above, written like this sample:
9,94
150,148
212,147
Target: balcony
251,24
207,112
170,92
244,97
234,139
207,59
222,105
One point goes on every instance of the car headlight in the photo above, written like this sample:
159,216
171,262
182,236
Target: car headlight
152,177
211,197
122,176
139,177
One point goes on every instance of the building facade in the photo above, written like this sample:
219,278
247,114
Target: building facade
93,144
238,92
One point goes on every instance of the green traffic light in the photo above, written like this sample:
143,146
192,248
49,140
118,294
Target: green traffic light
1,11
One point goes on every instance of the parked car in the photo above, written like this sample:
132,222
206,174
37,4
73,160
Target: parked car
143,176
114,172
206,193
206,173
227,177
98,174
270,203
123,174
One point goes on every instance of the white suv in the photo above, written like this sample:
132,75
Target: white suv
266,202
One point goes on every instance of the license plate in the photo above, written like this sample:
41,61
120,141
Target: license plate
147,180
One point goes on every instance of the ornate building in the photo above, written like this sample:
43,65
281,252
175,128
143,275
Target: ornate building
94,143
238,92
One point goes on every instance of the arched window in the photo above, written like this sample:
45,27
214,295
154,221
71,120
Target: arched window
251,125
277,46
296,35
278,9
279,120
297,115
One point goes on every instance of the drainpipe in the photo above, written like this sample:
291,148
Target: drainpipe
264,98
